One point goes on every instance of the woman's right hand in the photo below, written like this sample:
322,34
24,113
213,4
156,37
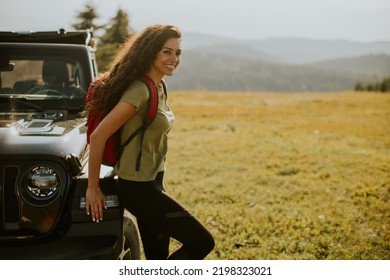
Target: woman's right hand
95,200
95,203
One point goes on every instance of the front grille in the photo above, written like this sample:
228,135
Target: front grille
23,215
11,211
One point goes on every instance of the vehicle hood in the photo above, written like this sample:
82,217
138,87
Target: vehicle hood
54,134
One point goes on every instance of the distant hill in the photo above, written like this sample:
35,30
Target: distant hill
290,50
193,40
303,51
238,50
217,63
372,65
224,72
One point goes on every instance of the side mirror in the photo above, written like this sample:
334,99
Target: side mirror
9,67
5,64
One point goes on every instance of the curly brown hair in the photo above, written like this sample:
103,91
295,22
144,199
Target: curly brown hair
133,60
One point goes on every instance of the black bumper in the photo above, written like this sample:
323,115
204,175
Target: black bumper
79,248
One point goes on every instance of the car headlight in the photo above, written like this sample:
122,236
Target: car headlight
42,182
42,185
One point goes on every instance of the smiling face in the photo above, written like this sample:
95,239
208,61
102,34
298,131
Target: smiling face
167,59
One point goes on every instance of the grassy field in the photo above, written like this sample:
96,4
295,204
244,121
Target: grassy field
285,176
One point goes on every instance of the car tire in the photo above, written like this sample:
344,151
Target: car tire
130,242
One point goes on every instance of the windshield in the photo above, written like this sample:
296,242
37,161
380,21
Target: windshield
46,81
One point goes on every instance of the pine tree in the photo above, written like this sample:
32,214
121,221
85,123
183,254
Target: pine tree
118,29
385,85
116,33
359,86
86,18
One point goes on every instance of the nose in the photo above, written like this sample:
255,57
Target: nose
176,58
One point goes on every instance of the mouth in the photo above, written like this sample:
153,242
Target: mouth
170,66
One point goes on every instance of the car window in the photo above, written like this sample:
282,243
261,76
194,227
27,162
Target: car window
39,79
32,75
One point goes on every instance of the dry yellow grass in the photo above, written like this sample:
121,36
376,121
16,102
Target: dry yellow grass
285,176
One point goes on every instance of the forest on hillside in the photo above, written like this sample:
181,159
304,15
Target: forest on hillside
221,72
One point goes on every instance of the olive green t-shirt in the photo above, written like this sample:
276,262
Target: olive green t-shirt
155,142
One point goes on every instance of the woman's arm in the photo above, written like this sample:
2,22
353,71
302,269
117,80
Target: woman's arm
95,200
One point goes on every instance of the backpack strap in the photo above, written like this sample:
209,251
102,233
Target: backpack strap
148,118
153,100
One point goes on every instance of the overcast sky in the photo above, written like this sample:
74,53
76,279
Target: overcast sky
357,20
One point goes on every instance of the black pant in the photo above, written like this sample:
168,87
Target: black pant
159,217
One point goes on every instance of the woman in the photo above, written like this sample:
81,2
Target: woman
123,99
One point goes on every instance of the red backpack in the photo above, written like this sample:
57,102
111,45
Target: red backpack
113,148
